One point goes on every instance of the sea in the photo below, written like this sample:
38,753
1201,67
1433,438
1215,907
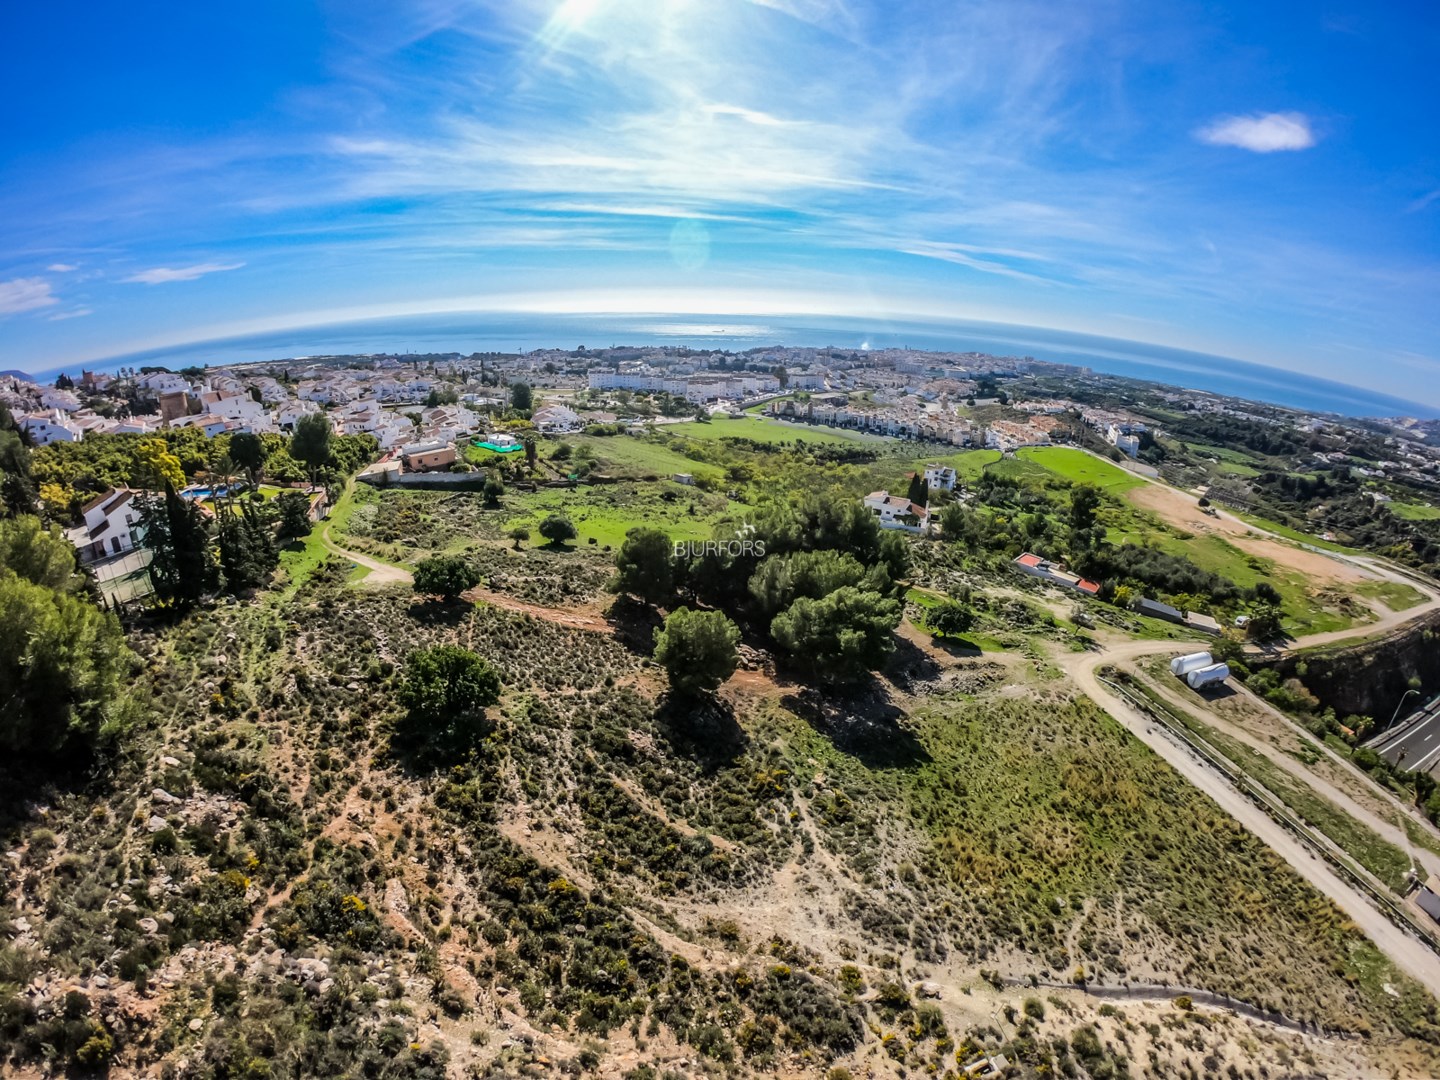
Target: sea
522,332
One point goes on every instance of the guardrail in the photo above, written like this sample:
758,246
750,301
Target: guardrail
1340,860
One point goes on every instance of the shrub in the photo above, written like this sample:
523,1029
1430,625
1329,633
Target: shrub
697,649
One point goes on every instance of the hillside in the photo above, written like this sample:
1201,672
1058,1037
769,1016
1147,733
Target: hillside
268,884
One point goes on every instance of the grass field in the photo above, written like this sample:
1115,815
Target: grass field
763,429
627,456
1395,595
606,513
1414,511
1080,467
1293,534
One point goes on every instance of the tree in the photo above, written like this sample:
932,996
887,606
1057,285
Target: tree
494,487
522,398
445,575
1084,502
248,452
294,510
839,635
17,490
782,579
247,549
182,561
156,466
919,492
697,650
62,660
311,441
644,566
557,528
39,555
949,618
446,690
1265,623
532,449
519,534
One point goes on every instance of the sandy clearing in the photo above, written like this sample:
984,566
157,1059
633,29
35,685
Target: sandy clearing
1182,511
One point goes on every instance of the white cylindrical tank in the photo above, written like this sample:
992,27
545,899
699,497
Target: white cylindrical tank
1183,665
1207,676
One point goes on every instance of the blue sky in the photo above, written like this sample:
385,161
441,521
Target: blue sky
1256,180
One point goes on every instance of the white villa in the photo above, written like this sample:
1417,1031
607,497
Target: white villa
940,476
897,512
110,527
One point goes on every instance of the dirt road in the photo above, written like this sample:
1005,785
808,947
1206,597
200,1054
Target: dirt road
379,573
1404,951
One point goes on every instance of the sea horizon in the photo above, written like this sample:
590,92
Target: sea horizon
519,332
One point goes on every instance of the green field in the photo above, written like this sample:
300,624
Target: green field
1080,467
605,513
1395,595
625,455
1293,534
1411,511
765,430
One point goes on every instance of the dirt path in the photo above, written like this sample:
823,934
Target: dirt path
379,573
574,618
1384,827
1404,951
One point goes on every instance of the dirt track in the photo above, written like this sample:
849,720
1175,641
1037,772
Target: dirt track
1404,951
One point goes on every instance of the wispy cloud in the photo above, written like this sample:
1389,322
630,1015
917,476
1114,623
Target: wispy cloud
62,268
19,295
163,275
1423,201
1264,133
74,313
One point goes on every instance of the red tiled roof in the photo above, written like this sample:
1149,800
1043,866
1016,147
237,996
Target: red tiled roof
1087,586
1029,560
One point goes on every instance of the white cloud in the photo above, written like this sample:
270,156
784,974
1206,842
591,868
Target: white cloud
1422,202
1263,133
74,313
25,294
162,275
61,268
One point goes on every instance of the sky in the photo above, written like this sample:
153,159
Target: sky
1260,181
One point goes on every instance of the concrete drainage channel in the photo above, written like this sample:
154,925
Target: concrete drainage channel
1316,841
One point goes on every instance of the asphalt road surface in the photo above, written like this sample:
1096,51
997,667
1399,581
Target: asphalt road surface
1418,741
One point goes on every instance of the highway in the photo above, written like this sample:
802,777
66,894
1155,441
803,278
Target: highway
1413,743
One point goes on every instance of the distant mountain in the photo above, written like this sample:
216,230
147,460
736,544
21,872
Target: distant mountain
16,375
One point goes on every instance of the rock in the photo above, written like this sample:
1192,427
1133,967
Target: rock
196,1024
160,795
101,981
155,824
149,925
171,762
22,924
929,990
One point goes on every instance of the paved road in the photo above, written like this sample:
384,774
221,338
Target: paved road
1414,744
1407,953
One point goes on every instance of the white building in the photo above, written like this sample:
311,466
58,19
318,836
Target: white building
111,525
49,427
231,406
553,417
896,512
940,476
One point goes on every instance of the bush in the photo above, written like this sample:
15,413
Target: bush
697,649
446,690
557,528
445,575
